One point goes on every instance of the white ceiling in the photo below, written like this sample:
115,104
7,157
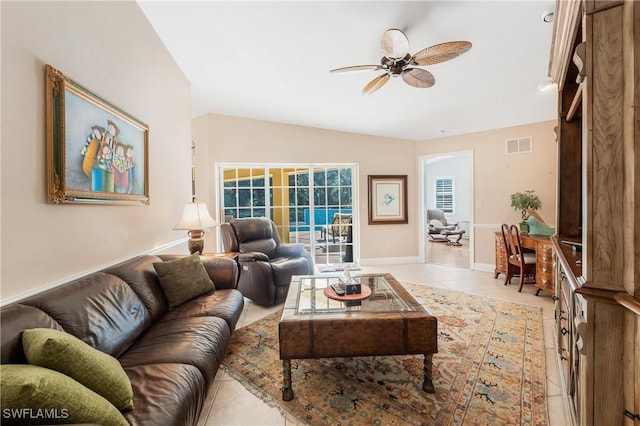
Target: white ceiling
270,61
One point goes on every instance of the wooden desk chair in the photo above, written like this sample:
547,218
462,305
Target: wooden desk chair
519,262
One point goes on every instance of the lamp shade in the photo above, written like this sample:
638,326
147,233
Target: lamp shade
195,216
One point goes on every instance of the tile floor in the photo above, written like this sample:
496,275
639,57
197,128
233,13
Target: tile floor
229,403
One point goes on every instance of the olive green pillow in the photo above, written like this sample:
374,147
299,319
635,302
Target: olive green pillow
183,279
37,395
69,355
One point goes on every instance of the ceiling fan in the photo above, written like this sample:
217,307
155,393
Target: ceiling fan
398,62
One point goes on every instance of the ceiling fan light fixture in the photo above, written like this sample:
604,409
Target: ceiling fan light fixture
398,62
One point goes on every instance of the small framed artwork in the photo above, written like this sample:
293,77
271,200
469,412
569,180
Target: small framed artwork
96,152
387,199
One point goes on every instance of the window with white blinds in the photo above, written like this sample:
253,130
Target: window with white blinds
444,194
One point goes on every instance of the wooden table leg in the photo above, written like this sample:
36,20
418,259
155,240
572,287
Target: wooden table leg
287,391
427,385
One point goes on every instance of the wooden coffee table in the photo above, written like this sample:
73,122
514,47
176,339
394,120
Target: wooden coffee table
389,322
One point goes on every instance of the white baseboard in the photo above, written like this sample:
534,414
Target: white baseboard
485,267
168,246
372,261
84,273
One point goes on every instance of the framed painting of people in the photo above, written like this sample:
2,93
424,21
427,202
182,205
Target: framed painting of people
96,152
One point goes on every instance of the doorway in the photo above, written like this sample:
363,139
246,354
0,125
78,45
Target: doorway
311,204
447,185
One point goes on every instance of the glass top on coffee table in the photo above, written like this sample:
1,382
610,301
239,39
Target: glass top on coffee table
387,295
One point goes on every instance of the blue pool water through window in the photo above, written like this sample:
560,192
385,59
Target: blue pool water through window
321,217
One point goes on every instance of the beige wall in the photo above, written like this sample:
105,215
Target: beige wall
43,244
111,49
223,139
497,175
228,139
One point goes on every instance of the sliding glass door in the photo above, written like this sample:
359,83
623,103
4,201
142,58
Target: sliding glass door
311,204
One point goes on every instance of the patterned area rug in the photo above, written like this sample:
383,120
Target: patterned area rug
490,369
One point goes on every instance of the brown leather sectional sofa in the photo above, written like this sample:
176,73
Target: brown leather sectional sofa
170,356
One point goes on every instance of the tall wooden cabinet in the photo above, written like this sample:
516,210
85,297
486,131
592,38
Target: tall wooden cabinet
595,60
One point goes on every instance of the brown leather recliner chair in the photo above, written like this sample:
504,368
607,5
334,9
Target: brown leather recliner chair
266,263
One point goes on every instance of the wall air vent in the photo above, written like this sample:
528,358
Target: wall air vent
518,145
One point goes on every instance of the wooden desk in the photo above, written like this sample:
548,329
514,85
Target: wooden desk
544,260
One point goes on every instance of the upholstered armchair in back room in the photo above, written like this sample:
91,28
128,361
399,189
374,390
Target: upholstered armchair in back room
437,222
266,263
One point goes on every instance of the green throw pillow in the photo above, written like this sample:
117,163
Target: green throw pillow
69,355
539,228
183,279
37,395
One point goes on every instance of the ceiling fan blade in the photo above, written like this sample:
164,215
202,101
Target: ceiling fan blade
417,77
375,84
441,52
394,44
357,68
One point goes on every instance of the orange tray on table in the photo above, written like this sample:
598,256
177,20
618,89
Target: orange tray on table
331,294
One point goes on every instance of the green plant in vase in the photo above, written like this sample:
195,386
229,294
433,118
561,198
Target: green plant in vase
525,201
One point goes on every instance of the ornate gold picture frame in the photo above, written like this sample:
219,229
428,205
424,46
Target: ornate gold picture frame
96,152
